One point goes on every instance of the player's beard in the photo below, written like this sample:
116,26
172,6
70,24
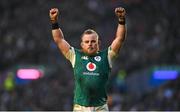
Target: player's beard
91,51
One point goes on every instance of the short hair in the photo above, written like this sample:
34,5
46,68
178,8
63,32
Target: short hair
89,31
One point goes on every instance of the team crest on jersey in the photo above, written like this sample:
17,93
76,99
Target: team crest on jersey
91,66
97,58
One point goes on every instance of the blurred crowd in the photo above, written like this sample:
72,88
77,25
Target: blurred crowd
25,38
166,98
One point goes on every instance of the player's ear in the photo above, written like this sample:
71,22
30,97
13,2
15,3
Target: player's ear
99,42
81,44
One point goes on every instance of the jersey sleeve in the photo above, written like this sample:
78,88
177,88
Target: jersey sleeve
70,55
111,56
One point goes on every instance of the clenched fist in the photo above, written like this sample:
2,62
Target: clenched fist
53,14
120,12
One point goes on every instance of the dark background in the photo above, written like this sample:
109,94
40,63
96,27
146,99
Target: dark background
152,42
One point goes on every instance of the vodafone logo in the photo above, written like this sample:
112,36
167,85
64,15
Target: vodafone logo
91,66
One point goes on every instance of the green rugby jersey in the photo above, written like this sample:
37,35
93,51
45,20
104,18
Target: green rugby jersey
91,75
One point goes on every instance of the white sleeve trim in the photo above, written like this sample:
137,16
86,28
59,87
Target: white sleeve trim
111,56
71,56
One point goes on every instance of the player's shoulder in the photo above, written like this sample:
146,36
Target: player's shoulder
105,49
75,50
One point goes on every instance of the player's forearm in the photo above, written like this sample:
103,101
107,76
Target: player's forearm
119,39
57,35
121,33
56,31
121,30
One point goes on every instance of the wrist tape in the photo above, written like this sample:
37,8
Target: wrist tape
55,26
122,21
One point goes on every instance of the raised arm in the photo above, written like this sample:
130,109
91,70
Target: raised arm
121,30
57,33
